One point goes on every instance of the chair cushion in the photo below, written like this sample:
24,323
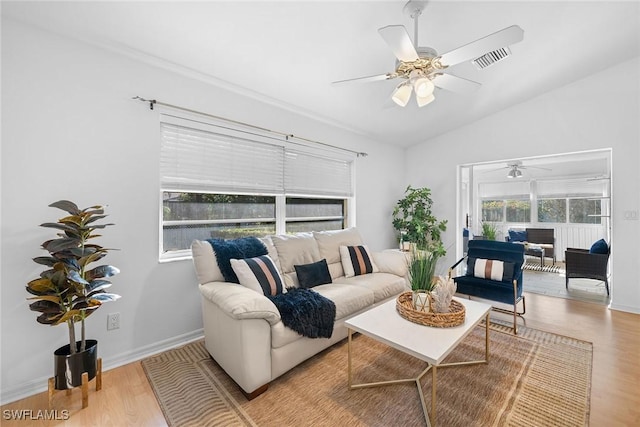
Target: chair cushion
259,274
490,269
517,236
357,260
599,247
314,274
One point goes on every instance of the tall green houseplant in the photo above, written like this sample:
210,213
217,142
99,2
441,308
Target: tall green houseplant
70,289
413,217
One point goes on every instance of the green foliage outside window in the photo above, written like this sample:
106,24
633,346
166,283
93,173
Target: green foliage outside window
518,211
584,211
493,210
552,210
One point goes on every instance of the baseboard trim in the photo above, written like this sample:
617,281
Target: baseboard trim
39,385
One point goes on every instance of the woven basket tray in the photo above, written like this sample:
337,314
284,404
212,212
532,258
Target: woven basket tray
455,317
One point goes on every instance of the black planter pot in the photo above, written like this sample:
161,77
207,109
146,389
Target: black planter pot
70,367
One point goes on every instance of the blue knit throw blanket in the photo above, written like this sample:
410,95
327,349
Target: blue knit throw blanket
306,312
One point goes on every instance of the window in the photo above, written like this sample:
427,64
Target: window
552,210
585,211
190,216
226,182
518,210
492,210
304,214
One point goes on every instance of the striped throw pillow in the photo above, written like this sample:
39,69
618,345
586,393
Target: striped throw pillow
259,274
491,269
357,260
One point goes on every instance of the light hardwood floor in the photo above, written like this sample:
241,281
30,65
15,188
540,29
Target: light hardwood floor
126,398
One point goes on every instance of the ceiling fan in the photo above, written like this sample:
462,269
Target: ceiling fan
516,167
421,68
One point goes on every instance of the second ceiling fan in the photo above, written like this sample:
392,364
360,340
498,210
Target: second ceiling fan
422,69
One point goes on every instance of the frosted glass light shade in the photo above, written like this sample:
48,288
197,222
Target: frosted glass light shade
424,100
402,94
423,87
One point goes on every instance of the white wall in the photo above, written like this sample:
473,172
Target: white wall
71,131
600,111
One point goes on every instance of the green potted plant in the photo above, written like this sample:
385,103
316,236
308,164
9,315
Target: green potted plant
414,220
422,270
71,289
489,231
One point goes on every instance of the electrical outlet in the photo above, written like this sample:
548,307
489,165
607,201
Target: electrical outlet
113,321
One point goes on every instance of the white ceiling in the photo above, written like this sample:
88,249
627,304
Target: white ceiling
288,53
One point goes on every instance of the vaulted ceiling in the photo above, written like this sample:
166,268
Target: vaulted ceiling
288,53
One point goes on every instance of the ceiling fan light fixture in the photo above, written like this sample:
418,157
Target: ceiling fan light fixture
424,100
402,94
514,173
423,86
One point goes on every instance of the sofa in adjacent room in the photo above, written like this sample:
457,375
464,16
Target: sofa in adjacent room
244,330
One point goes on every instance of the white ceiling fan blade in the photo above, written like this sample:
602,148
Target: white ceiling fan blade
502,38
366,79
398,40
455,84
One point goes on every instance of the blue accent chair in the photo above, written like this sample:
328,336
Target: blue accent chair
506,292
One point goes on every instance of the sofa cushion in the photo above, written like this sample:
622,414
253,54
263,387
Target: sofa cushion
348,299
297,249
259,274
599,247
329,242
204,261
226,250
271,251
490,269
357,260
310,275
383,285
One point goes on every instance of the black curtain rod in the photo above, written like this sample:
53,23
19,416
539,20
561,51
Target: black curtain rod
287,137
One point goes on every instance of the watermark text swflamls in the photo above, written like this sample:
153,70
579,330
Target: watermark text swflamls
39,414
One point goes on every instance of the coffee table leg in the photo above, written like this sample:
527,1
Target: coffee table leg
349,357
486,339
433,396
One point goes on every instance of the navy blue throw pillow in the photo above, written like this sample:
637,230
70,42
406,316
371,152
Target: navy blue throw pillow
225,250
599,247
314,274
517,236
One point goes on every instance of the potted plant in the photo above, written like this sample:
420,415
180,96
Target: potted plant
489,231
421,270
413,218
71,289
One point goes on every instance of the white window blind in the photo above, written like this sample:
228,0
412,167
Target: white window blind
504,190
201,156
571,188
197,160
309,173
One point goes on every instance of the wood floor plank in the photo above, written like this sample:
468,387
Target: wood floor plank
126,399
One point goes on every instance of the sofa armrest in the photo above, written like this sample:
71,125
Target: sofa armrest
392,261
240,302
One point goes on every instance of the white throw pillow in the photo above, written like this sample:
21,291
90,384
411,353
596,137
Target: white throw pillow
259,274
357,260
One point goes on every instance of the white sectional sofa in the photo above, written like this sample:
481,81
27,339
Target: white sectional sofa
243,329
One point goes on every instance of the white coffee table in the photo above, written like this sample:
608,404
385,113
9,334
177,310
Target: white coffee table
430,344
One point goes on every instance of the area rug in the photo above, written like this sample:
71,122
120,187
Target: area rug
534,379
547,268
